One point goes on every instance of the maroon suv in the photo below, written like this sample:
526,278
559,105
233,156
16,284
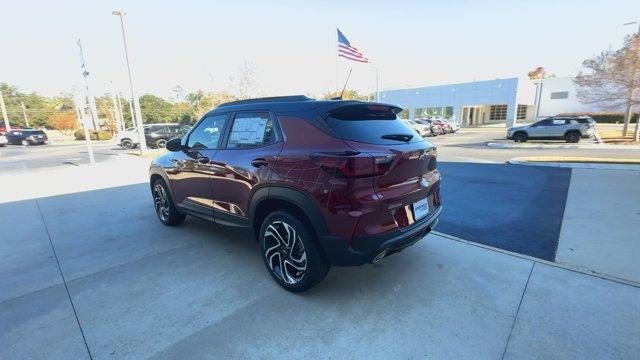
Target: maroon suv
319,183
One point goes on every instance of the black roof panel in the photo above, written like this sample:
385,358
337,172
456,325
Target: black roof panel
280,104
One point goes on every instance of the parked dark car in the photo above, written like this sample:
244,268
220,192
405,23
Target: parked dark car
158,135
26,137
319,183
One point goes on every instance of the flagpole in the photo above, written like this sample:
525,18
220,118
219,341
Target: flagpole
377,88
336,54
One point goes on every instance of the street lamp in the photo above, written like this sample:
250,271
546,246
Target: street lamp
136,101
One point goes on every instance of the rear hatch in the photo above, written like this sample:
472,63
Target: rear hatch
35,135
405,165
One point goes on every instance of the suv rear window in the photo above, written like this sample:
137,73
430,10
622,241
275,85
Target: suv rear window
370,124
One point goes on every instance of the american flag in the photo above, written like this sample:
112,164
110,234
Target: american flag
347,51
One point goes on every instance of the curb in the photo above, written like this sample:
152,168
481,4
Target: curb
567,267
575,165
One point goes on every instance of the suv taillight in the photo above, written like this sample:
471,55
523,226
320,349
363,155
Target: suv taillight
353,164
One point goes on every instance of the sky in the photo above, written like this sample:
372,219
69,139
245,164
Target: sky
292,44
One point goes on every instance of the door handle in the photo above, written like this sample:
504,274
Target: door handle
259,162
203,160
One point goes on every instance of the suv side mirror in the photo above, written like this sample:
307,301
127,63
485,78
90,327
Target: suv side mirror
174,144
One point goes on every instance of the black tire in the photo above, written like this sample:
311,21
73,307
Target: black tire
520,137
572,137
127,144
161,143
163,204
299,264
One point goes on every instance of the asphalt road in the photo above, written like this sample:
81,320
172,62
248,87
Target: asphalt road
468,145
513,207
17,158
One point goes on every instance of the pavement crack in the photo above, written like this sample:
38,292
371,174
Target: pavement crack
515,318
64,281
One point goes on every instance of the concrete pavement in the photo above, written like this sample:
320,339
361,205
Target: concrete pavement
600,229
96,266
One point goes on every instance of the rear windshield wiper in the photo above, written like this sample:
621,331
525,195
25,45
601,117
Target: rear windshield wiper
400,137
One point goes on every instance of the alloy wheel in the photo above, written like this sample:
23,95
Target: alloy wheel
161,202
127,144
284,252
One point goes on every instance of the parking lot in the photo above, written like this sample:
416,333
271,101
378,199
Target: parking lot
89,272
18,158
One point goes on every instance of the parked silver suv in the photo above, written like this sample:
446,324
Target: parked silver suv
570,129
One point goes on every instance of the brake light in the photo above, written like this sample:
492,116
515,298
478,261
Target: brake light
353,164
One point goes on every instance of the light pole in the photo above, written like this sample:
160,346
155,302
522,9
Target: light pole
377,87
7,125
136,102
24,114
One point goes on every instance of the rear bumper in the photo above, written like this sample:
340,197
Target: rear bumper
363,250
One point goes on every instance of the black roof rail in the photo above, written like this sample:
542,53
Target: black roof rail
292,98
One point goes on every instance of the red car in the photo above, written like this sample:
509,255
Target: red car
437,127
319,183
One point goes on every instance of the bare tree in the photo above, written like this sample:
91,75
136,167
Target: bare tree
611,80
244,83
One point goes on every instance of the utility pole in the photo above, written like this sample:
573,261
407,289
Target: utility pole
92,101
116,114
377,85
122,122
80,107
136,102
7,125
24,114
133,118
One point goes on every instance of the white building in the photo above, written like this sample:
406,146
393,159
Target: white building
479,102
559,96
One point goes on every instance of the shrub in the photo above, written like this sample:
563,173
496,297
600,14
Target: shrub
102,135
79,134
94,135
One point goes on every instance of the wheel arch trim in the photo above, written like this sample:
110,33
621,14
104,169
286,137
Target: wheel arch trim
296,197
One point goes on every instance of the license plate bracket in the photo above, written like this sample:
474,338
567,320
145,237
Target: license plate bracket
420,209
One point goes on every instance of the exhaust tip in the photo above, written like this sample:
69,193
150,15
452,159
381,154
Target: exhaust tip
379,256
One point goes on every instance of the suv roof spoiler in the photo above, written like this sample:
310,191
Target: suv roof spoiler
293,98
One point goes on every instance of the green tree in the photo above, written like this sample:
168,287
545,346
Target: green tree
155,109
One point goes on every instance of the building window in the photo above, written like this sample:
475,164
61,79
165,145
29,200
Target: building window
559,95
498,112
444,112
522,112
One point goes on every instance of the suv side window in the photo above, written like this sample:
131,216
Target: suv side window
251,130
207,134
546,122
559,122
